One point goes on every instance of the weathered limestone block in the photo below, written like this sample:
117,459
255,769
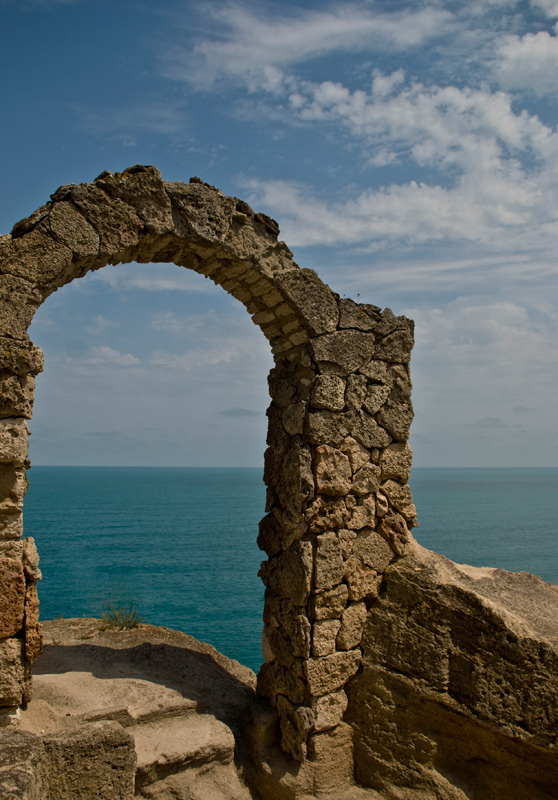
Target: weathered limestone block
20,357
92,761
289,575
357,454
296,723
362,514
347,540
329,393
366,480
328,566
376,396
16,395
396,418
329,427
330,604
23,767
331,754
396,347
361,316
14,437
356,392
67,226
33,641
11,525
367,431
458,696
395,462
143,188
393,528
382,504
293,418
327,674
332,471
19,300
328,710
287,630
327,513
12,673
117,223
39,259
313,299
372,549
288,471
274,679
378,372
323,637
347,349
362,581
12,596
352,626
30,557
400,498
13,486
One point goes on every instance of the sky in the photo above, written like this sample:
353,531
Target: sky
408,151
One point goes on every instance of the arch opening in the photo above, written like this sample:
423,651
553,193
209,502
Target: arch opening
338,508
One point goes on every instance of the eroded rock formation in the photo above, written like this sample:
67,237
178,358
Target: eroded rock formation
363,635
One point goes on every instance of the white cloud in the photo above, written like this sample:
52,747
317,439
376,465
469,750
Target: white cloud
255,49
100,325
528,62
549,7
154,278
106,355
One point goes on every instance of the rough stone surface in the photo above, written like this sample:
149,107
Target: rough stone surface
328,568
352,625
12,673
332,470
329,673
33,641
13,441
23,768
12,596
93,760
460,668
328,710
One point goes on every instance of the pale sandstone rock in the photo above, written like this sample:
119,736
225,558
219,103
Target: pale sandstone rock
329,393
313,298
357,454
33,642
12,596
396,461
362,581
379,372
348,349
329,427
332,471
347,540
289,575
395,347
360,316
94,760
394,530
363,514
356,392
13,441
20,357
366,480
326,513
293,418
23,767
376,397
296,723
352,626
369,433
16,396
327,674
332,754
330,605
328,710
13,486
30,558
400,498
12,672
382,504
323,637
396,418
11,525
328,566
372,549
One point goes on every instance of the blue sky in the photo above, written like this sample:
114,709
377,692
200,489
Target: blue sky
409,152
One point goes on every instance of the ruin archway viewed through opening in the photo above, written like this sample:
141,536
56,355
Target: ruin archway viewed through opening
338,506
179,381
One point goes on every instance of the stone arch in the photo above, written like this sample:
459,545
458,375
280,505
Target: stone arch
338,508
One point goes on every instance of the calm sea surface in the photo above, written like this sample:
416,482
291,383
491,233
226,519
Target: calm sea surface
180,543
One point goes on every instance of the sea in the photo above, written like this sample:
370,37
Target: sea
179,544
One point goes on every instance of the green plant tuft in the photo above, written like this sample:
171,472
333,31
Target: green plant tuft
122,619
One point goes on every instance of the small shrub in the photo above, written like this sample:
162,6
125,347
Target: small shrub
122,619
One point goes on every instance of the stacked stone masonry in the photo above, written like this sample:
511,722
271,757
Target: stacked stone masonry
338,505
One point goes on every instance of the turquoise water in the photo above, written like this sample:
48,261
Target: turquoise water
180,543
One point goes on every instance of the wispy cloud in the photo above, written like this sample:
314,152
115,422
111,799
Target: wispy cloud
106,355
240,412
253,48
154,278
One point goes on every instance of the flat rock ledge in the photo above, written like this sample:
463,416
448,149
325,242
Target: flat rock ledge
149,713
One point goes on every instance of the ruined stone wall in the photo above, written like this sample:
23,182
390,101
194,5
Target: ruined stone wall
338,505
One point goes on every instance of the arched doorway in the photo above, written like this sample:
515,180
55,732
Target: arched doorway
338,505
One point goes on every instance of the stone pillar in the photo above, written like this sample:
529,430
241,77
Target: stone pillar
339,511
20,637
